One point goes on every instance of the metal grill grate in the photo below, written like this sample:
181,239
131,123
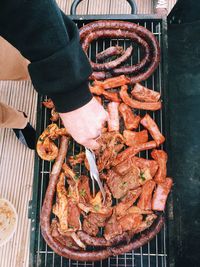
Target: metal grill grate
154,253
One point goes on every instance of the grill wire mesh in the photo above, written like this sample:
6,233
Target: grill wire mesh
152,254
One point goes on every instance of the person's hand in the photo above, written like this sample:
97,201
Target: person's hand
85,124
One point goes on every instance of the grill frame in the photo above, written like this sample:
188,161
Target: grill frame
162,254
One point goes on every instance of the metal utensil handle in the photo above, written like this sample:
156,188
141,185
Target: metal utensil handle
77,2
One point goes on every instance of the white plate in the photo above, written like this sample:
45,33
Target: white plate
8,221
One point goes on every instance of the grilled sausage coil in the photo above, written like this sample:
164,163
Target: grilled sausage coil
122,29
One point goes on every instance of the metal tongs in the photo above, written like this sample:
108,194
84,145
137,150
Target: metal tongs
94,173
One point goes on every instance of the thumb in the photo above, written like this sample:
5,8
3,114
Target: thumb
92,144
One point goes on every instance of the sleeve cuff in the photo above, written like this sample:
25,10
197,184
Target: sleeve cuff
69,101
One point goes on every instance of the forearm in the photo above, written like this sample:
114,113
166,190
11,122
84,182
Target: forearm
59,67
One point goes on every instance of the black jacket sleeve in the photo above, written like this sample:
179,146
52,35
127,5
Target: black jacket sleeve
49,39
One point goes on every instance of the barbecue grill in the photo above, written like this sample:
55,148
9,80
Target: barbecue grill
158,252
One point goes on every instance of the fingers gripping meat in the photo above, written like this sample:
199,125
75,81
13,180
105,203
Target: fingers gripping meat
136,104
130,120
161,158
142,93
153,129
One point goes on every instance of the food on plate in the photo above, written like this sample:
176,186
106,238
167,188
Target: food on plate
131,121
153,129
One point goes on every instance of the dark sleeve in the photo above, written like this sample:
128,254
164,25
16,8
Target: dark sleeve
59,68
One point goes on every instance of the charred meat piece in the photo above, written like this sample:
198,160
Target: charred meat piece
120,185
113,121
92,223
137,104
160,195
60,209
126,202
130,222
143,164
113,82
146,223
160,157
54,115
77,159
66,240
112,228
109,52
73,218
131,121
135,138
99,90
111,143
153,129
142,93
144,202
48,103
84,189
132,151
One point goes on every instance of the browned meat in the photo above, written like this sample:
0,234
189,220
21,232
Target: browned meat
161,194
144,202
77,159
130,221
111,144
60,209
84,189
146,223
113,82
73,215
92,223
132,151
112,228
131,121
69,172
109,52
142,93
153,129
126,202
161,157
66,240
135,138
113,122
48,103
137,104
141,163
120,185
